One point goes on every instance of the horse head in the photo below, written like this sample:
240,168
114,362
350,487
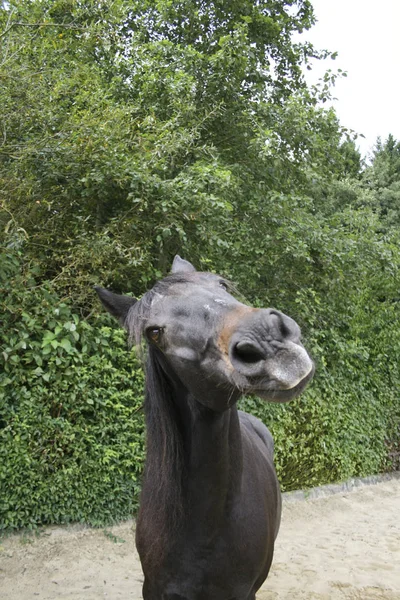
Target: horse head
216,346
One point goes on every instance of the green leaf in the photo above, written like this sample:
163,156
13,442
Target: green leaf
66,344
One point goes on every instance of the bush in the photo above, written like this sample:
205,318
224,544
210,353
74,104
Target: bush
71,426
330,434
347,423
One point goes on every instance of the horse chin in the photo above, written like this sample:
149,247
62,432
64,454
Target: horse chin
272,393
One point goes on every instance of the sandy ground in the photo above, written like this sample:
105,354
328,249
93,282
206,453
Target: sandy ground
340,547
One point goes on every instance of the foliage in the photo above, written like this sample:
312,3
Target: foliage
382,177
71,443
348,421
119,135
131,131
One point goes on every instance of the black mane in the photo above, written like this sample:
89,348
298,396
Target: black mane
165,465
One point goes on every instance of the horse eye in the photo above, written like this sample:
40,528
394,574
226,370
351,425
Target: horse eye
154,334
223,285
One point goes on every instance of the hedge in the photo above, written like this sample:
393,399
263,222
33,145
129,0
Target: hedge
71,420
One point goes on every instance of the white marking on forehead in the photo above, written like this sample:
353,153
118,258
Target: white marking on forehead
208,307
219,301
157,298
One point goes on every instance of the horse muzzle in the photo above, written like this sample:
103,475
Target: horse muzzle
266,353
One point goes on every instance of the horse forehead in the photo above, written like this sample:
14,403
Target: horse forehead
198,304
191,295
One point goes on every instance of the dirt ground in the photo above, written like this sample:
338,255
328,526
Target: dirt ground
344,546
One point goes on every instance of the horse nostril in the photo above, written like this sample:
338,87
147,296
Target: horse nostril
283,326
246,352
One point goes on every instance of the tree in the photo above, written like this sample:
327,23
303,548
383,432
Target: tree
382,177
133,131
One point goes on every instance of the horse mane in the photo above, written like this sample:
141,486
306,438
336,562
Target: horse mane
161,506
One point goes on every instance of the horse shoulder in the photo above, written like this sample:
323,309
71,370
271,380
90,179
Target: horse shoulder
259,474
254,426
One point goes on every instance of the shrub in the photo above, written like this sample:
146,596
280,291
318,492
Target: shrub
71,426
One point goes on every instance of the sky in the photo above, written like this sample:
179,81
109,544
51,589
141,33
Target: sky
366,35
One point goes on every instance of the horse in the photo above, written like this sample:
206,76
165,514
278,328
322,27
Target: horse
210,503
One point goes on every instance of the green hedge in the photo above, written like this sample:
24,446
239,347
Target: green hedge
329,435
71,424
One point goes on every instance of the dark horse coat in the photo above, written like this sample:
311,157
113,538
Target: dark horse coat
210,505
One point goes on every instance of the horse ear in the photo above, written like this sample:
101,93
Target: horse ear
117,305
181,265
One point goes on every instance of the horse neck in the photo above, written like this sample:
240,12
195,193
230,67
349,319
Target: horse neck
194,455
215,463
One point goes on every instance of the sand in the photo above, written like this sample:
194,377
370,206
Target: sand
339,547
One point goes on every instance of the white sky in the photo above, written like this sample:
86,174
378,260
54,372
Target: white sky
366,35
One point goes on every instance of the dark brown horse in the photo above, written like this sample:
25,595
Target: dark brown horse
210,504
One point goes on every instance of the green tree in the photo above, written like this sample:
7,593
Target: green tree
133,131
382,177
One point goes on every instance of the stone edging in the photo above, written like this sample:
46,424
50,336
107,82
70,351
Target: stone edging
338,488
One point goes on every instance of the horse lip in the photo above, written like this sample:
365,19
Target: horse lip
278,394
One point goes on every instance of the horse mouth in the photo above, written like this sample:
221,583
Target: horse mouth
271,391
